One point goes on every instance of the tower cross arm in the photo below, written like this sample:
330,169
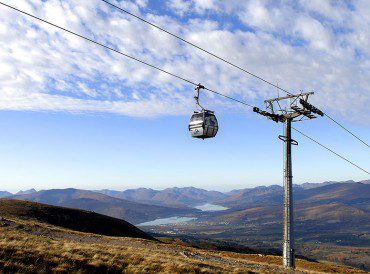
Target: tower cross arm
288,97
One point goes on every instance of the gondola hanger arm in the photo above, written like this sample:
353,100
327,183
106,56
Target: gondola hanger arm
196,97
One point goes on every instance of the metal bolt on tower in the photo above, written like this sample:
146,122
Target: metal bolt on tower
291,113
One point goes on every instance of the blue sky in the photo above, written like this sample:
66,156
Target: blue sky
74,115
57,150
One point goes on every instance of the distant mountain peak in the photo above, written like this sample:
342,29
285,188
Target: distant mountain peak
315,185
4,194
28,191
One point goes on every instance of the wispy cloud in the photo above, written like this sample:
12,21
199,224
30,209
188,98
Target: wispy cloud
310,45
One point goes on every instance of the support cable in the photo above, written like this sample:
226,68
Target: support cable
223,60
194,45
358,138
99,44
126,55
330,150
164,71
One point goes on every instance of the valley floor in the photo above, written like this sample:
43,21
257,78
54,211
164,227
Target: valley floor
343,243
28,246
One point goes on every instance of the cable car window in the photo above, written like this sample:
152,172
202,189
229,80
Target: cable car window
197,117
210,120
214,121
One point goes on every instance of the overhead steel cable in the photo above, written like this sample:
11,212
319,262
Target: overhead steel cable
223,60
124,54
362,141
230,98
100,44
332,151
162,70
196,46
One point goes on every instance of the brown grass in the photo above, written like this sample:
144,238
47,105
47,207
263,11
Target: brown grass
27,246
25,253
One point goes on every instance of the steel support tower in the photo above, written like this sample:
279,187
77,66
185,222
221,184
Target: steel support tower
286,110
288,246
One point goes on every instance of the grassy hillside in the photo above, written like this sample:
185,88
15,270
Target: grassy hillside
79,220
332,220
29,245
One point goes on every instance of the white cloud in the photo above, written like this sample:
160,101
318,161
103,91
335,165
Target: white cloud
304,47
142,3
314,32
257,14
179,6
203,5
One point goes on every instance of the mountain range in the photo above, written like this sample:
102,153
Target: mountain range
145,204
103,204
4,194
174,196
349,192
334,202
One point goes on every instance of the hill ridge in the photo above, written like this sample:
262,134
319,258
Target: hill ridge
70,218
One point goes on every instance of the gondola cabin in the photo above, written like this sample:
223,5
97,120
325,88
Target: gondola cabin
203,124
